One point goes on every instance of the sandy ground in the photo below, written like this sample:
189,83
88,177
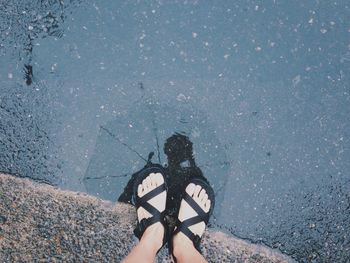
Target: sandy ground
41,223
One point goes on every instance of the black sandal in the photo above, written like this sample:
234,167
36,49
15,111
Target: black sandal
137,201
200,217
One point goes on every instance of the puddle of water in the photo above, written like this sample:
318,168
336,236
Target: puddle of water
260,90
182,139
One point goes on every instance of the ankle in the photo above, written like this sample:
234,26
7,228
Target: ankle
153,236
182,245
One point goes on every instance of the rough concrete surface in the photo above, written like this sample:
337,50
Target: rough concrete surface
40,223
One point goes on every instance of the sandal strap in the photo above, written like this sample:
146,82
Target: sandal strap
151,209
185,230
186,224
157,216
146,222
191,221
156,191
143,201
200,212
181,227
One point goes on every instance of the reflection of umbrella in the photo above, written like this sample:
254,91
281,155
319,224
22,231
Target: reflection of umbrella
123,145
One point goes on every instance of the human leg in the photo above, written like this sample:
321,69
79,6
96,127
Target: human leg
184,249
146,250
152,239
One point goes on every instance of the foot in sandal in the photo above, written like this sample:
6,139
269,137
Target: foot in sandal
195,209
150,200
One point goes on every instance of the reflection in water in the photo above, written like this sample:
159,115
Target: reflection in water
180,169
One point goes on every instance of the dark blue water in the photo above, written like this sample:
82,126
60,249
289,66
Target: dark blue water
261,88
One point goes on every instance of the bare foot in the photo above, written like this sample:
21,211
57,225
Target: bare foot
200,196
155,232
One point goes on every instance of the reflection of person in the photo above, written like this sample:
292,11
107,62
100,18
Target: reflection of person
180,169
150,197
178,149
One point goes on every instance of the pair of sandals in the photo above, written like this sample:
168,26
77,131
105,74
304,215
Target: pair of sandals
158,216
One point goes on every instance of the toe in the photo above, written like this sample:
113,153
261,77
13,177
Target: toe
159,178
207,206
190,189
197,191
205,199
145,185
149,180
148,183
153,180
140,190
202,194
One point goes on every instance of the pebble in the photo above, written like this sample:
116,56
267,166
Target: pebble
3,219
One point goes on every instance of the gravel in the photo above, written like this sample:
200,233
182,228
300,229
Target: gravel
41,223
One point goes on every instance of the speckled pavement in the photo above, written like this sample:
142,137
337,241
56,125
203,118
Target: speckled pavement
41,223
